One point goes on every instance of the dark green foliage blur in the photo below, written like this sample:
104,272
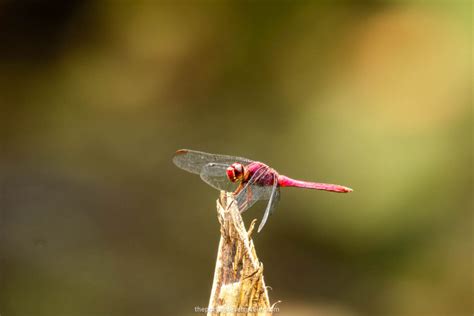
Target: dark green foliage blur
96,97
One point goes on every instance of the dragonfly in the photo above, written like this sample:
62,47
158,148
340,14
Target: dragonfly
249,180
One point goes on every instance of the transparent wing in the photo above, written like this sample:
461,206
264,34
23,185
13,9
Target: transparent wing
215,175
252,191
193,161
274,198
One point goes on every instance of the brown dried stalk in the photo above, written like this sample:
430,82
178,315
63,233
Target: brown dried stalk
238,287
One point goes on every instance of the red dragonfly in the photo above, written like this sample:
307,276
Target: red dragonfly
249,180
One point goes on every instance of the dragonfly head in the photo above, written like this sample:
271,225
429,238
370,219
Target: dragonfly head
235,172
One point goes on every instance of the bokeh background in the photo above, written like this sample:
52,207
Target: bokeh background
97,96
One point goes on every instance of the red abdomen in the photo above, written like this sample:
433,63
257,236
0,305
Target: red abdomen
284,181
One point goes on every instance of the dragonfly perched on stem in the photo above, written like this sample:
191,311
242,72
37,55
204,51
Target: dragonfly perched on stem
249,180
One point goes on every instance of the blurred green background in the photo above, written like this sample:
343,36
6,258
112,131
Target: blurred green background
97,96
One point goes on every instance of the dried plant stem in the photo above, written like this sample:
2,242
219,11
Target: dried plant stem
238,287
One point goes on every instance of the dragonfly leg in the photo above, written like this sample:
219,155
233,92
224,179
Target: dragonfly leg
239,188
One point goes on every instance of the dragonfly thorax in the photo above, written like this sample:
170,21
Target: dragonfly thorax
235,172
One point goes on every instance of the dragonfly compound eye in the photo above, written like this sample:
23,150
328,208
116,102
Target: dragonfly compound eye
235,172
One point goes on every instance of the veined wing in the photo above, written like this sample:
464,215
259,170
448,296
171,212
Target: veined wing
215,175
253,192
274,198
193,161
